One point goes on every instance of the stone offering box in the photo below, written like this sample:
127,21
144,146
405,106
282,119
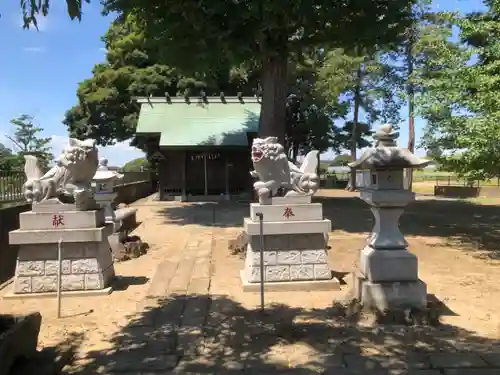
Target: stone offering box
295,251
87,265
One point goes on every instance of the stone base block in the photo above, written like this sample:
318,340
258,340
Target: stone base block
288,227
288,272
64,220
287,212
283,242
295,199
290,286
52,236
78,293
388,265
54,205
296,257
389,295
85,266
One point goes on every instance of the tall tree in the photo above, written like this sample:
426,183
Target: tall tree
27,141
417,45
8,161
366,82
193,32
310,115
106,111
460,97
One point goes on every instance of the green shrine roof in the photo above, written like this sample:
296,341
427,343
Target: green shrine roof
197,122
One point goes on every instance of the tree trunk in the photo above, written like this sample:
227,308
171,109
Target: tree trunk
295,151
274,94
351,186
411,110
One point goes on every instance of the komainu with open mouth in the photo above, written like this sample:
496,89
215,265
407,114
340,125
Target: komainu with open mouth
274,170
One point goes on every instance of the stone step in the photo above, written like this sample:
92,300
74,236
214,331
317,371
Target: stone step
38,236
287,227
287,212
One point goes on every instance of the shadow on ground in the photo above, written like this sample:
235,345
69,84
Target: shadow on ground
219,214
461,223
216,335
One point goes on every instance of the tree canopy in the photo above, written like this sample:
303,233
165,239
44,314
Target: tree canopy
315,62
192,32
26,141
461,102
105,109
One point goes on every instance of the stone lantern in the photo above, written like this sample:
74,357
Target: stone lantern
388,272
105,182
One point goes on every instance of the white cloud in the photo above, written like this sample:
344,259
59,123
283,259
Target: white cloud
102,49
117,154
34,49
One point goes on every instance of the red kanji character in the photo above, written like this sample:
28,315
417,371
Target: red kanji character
57,220
288,213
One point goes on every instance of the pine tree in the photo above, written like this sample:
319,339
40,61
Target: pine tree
366,83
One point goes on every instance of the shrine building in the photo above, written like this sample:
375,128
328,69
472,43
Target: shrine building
202,144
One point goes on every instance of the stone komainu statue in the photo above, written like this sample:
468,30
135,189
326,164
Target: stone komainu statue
274,171
69,181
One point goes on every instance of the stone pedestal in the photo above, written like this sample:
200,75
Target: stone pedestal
87,265
105,201
388,272
295,255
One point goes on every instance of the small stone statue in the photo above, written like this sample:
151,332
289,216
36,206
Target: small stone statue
69,180
273,170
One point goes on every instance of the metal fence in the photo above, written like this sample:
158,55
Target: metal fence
447,179
11,184
453,180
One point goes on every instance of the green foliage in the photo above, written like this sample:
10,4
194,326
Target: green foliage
106,111
461,97
360,83
341,160
31,9
377,84
309,117
192,32
136,165
27,141
8,161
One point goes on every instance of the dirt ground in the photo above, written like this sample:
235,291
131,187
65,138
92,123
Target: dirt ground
456,243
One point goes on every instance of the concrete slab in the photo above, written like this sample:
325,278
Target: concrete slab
290,286
387,295
66,220
288,227
77,293
287,212
18,237
388,265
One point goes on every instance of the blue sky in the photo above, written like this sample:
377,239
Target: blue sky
40,70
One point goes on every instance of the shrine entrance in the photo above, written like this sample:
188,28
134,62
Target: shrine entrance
206,173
